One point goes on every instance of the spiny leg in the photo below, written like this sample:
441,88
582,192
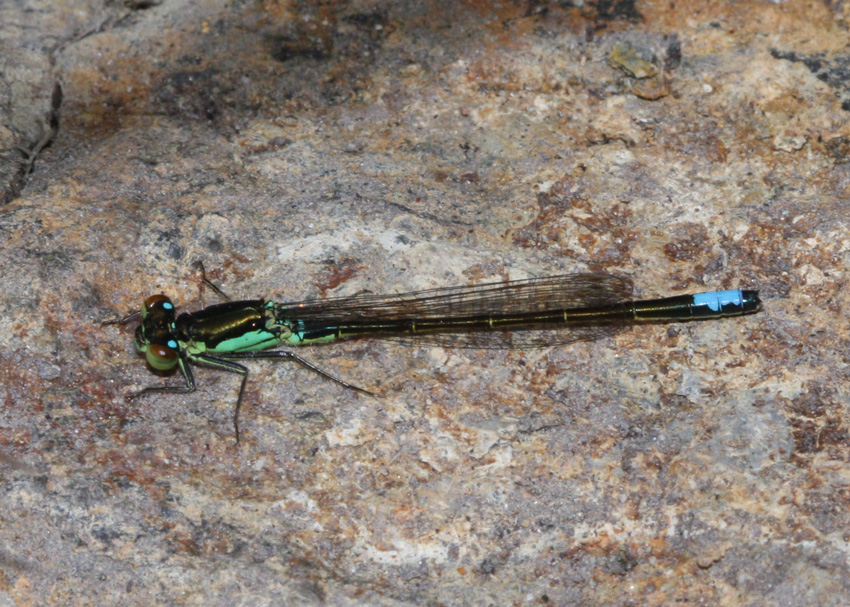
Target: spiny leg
232,367
122,321
209,283
187,375
286,354
190,386
223,361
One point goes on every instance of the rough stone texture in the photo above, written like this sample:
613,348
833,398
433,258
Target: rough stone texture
305,149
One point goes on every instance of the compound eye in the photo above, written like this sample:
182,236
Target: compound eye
158,302
161,358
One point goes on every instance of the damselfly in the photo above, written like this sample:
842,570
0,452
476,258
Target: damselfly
537,312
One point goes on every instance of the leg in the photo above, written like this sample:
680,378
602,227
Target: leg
187,375
285,354
122,321
224,361
204,280
232,367
209,283
191,385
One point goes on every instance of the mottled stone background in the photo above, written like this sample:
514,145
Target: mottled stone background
310,149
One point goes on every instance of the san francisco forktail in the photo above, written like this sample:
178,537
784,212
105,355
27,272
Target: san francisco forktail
537,312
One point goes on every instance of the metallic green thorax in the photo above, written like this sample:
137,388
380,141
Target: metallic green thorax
238,326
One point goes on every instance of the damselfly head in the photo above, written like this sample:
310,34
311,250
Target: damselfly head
155,335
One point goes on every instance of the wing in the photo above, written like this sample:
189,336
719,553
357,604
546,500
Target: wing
563,292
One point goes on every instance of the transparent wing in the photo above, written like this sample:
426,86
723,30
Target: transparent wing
568,291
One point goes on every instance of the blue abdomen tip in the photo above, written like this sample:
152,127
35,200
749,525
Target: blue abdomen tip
718,301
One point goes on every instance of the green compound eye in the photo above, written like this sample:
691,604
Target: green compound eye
161,358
